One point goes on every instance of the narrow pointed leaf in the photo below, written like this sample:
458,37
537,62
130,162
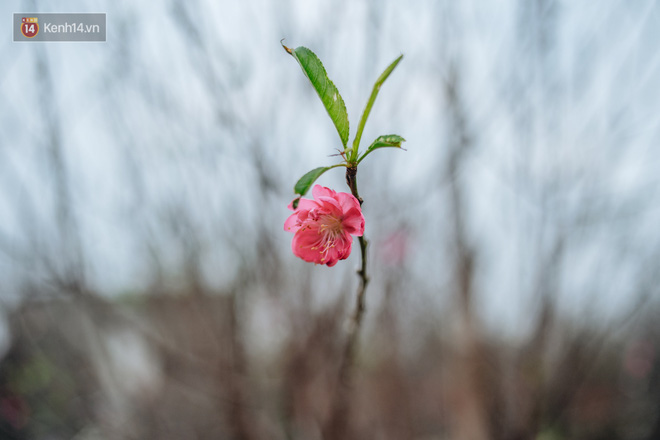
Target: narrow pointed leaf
332,100
370,103
305,182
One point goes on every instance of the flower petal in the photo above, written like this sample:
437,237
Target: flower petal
330,204
353,222
292,224
348,201
303,204
306,244
322,191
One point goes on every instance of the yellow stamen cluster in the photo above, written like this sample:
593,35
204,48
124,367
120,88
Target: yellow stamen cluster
330,229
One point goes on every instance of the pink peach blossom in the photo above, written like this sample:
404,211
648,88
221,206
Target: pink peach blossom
323,226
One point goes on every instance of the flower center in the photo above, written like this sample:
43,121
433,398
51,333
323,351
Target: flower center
330,229
330,226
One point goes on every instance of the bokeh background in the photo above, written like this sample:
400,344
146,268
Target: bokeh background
148,289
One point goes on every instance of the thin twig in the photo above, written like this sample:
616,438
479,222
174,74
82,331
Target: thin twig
337,426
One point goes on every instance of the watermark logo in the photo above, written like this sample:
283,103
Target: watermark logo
34,26
30,27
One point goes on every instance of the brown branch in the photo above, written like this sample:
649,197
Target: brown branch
337,424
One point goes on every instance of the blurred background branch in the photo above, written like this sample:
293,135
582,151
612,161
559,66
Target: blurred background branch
148,290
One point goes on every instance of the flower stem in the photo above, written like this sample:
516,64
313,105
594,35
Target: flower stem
337,426
351,179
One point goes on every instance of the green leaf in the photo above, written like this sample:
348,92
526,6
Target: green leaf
325,88
389,140
370,103
305,182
